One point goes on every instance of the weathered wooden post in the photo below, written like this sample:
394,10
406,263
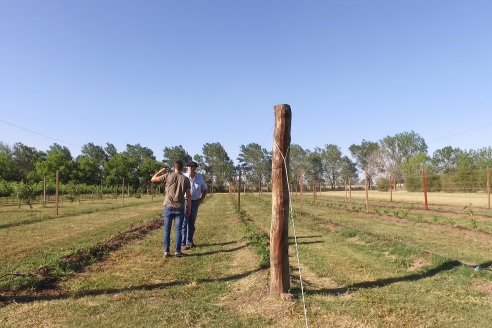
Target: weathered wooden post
123,192
239,192
424,176
488,187
350,191
391,188
44,191
57,183
279,239
302,191
367,191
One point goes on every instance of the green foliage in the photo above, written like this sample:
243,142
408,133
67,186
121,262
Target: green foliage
216,165
25,193
256,162
172,154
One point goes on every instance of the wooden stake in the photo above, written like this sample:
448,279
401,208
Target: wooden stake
367,191
350,191
391,188
314,191
44,191
488,187
239,192
57,182
279,239
302,191
424,176
123,192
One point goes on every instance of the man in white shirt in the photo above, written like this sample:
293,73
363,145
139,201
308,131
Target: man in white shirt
198,192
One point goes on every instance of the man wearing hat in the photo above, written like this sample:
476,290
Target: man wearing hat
198,192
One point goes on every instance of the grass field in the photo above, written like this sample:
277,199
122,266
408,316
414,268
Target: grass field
396,266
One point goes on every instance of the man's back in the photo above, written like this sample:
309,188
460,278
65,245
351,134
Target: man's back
176,185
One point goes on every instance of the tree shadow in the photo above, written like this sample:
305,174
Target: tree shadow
54,296
446,266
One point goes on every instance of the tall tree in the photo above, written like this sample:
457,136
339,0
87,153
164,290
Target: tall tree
445,160
257,162
25,159
349,170
217,165
364,155
399,148
172,154
57,158
297,164
314,166
332,163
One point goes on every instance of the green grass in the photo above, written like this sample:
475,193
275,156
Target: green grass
359,270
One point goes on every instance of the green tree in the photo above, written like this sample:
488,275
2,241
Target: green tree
399,148
348,170
364,155
172,154
87,170
314,166
57,158
445,160
256,162
25,159
331,157
298,164
119,167
217,165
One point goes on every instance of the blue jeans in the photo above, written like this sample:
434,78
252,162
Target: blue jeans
189,224
171,213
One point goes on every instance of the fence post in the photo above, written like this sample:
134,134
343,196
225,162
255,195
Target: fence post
488,187
350,191
424,176
123,192
314,191
239,192
279,239
366,176
302,191
391,188
57,182
44,191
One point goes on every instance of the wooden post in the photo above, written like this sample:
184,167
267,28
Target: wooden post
424,176
57,182
314,191
44,191
367,191
239,192
123,192
345,188
488,187
151,192
350,191
302,191
128,190
279,239
391,188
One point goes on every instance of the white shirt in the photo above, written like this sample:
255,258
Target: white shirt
198,186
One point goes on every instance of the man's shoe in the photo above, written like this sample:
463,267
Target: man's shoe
187,246
178,254
166,254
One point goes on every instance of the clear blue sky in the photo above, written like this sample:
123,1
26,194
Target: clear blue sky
163,73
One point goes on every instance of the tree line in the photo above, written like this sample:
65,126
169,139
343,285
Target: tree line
395,160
